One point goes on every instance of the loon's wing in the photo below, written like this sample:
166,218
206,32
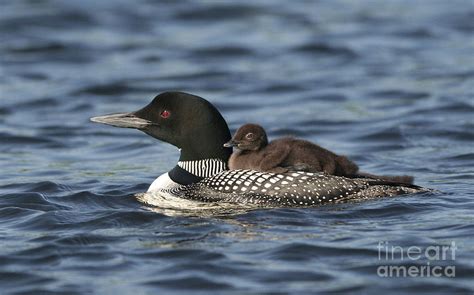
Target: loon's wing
287,189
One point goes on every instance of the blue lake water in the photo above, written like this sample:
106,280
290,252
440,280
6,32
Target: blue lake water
388,83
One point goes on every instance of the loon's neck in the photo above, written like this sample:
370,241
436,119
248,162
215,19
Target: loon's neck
202,156
188,172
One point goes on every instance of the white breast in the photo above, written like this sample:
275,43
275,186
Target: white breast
162,182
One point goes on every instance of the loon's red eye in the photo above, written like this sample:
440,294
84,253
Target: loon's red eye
165,114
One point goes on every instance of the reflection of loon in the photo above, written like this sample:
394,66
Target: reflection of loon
196,127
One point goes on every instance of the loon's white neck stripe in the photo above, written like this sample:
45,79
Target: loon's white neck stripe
203,168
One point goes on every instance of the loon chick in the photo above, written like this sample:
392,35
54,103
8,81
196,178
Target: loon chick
282,155
194,125
254,152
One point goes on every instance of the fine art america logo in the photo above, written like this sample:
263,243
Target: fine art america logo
431,261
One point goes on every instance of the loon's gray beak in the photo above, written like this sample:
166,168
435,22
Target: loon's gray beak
123,120
230,143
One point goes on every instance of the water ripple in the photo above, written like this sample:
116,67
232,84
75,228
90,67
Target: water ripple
388,84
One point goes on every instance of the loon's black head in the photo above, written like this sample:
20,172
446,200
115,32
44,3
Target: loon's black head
249,137
186,121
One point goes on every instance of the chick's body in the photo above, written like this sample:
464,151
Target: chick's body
283,154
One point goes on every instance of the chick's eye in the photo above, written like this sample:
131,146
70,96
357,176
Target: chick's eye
249,136
165,114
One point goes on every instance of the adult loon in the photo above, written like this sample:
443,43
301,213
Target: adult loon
196,127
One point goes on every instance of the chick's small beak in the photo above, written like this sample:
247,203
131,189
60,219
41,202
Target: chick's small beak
230,143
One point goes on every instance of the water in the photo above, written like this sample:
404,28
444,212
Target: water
388,83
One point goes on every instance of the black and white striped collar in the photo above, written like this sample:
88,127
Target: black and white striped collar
188,172
203,168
